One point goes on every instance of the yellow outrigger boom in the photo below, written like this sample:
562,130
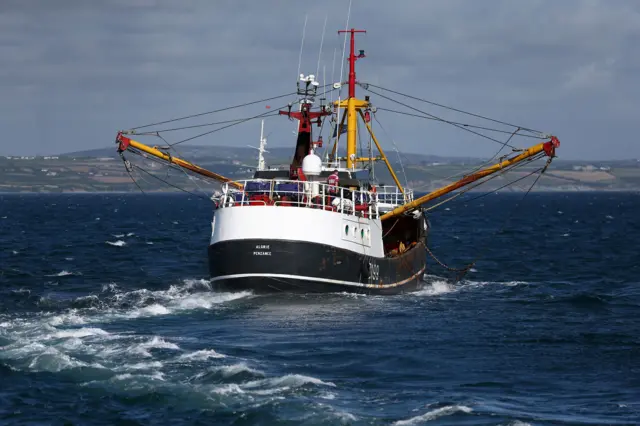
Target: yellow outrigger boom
125,143
549,148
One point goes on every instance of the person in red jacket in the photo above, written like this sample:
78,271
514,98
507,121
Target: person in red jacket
332,181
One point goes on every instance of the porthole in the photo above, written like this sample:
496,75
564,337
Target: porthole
362,234
346,230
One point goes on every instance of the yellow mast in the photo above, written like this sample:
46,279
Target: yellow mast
549,148
354,107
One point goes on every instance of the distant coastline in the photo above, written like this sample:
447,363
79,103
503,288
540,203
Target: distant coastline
101,172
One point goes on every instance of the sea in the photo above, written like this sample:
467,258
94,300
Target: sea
107,317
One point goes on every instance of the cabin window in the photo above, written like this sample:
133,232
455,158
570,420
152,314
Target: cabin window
346,230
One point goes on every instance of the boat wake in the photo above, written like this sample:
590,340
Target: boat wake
437,286
91,343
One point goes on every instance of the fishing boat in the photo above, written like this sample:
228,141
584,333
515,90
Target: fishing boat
323,224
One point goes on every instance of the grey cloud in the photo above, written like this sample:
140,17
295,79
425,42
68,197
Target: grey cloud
94,67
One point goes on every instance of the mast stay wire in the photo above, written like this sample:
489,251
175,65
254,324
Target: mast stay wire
458,110
437,118
406,181
170,166
195,126
464,270
214,111
228,125
461,124
193,179
264,114
482,182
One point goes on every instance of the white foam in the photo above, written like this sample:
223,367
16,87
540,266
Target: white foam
434,414
232,370
69,318
117,235
272,391
436,288
118,243
53,360
149,311
202,355
227,389
290,380
63,273
142,366
345,417
155,343
128,376
78,332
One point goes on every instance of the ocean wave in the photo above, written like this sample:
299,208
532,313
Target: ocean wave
434,414
118,243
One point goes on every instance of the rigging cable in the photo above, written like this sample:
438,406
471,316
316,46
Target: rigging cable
504,171
490,129
406,181
455,109
154,132
128,167
170,184
214,111
193,179
236,123
164,181
463,271
226,127
436,118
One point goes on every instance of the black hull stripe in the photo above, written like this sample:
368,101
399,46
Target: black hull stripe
317,279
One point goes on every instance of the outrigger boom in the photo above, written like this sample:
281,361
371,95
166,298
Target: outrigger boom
549,148
125,143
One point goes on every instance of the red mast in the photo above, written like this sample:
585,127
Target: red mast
352,60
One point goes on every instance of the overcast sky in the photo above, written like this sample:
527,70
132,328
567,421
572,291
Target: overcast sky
74,72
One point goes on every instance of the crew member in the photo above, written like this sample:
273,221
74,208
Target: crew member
332,181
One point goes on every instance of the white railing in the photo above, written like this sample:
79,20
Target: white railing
391,195
309,194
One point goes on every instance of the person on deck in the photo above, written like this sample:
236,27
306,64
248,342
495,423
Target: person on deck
332,181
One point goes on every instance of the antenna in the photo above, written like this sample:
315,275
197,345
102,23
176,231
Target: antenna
324,28
304,30
261,150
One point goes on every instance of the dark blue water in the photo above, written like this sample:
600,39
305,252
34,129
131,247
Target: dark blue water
106,317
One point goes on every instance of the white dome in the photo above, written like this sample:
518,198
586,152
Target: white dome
311,165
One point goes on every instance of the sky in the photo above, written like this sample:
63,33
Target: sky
73,73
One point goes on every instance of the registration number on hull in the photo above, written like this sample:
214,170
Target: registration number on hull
374,272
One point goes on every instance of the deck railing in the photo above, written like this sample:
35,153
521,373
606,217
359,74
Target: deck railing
392,195
309,194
